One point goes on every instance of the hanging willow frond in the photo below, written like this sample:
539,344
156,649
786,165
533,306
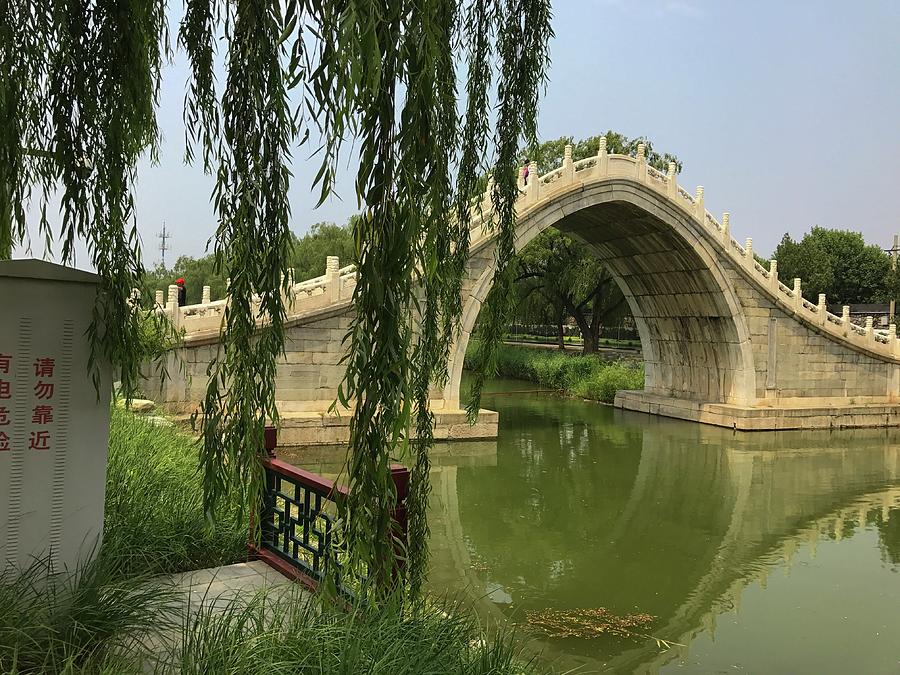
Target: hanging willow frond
79,109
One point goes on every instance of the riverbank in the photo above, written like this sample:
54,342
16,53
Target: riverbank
585,376
118,614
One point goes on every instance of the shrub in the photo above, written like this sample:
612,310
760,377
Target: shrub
587,376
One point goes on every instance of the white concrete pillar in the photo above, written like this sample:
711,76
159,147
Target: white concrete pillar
845,319
699,207
602,158
798,293
823,309
172,306
160,298
641,164
869,332
333,278
532,190
568,173
671,182
773,274
206,295
748,252
893,343
726,230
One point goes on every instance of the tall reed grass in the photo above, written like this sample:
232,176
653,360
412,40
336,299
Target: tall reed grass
154,516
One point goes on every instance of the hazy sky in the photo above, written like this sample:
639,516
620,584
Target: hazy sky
787,112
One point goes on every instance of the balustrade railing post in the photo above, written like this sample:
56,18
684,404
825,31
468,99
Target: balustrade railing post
602,158
533,189
798,294
699,208
726,231
172,306
641,164
568,172
845,319
773,275
671,181
333,278
159,299
748,252
870,331
823,309
207,295
893,342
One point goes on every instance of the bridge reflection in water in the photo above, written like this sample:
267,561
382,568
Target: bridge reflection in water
578,506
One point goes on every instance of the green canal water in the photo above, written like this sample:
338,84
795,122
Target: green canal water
759,553
763,553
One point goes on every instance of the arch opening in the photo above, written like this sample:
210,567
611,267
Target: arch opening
693,333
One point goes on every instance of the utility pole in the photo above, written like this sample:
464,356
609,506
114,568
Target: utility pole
164,235
894,250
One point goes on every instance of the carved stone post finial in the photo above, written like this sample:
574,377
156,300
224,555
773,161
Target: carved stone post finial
798,293
602,158
773,274
207,295
160,298
568,172
699,207
748,249
822,309
333,277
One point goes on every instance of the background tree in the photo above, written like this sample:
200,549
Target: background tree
571,281
837,263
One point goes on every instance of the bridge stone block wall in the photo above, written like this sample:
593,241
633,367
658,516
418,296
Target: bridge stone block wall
724,341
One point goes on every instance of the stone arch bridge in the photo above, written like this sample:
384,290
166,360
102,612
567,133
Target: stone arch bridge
725,341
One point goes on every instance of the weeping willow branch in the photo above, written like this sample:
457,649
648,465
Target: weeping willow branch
79,109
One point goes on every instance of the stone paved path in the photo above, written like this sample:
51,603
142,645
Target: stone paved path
216,587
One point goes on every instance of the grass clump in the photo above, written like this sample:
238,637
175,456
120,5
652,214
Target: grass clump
586,376
154,516
291,635
92,620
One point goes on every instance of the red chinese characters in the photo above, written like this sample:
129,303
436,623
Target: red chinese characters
39,440
42,414
4,441
44,367
4,417
43,390
5,389
5,361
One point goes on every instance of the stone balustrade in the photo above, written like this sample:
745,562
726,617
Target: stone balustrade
337,284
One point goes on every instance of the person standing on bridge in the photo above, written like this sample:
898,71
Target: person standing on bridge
525,171
182,292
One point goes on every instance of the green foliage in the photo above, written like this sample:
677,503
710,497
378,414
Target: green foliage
587,376
559,278
92,620
293,635
79,97
154,519
837,263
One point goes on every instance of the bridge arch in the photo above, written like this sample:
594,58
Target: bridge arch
692,326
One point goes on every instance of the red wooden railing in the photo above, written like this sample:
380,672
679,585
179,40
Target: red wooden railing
298,535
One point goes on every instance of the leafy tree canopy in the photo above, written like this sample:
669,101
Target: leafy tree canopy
837,263
550,154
